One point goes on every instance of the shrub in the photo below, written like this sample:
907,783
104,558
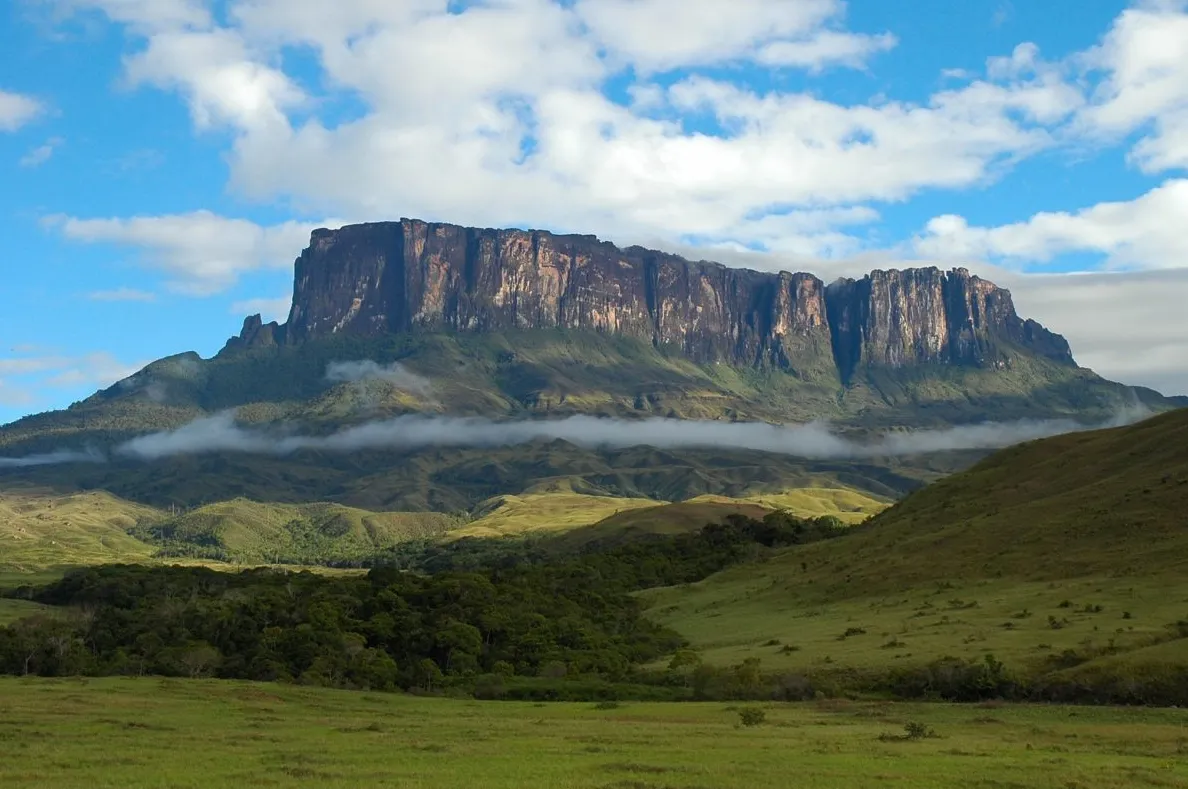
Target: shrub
751,716
915,730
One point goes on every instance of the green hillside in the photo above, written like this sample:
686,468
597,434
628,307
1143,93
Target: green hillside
251,532
584,517
543,513
1050,555
39,528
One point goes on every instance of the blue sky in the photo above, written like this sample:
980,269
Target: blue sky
162,161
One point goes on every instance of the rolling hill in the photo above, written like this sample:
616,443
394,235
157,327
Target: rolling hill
39,528
1075,545
249,532
575,518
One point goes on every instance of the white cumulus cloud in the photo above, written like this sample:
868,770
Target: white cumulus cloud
1146,232
201,252
16,110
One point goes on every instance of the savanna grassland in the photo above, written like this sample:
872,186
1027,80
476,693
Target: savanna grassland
132,733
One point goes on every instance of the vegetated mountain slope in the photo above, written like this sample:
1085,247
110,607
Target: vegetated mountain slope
552,373
1078,542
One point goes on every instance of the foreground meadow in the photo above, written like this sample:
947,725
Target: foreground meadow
152,732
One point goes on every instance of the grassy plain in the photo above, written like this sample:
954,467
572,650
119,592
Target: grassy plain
132,733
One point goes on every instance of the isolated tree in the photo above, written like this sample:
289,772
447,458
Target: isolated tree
683,664
199,659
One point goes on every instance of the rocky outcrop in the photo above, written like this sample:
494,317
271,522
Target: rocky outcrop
395,276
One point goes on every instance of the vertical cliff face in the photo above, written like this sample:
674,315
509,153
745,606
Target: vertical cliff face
920,316
395,276
390,277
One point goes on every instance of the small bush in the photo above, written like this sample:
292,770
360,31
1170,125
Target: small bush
1065,604
852,631
751,716
607,705
788,649
915,730
912,731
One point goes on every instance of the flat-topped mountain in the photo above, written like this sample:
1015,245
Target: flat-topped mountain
387,277
399,318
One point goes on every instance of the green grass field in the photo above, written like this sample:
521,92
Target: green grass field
131,733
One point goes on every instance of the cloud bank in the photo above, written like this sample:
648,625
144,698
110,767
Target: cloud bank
52,459
816,441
